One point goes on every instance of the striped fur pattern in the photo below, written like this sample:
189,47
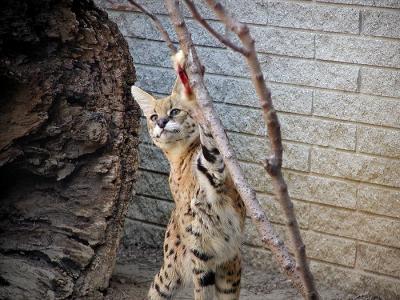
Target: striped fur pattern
203,238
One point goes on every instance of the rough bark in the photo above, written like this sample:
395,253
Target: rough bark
68,148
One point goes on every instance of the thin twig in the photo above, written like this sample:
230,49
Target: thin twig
196,15
269,238
273,164
157,24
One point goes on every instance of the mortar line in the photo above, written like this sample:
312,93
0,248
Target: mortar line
338,265
160,226
366,8
346,238
155,198
272,54
344,180
337,91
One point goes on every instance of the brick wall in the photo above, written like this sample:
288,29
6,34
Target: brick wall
334,71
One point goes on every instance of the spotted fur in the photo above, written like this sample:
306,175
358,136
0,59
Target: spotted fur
203,238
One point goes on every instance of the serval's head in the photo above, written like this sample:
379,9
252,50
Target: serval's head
169,119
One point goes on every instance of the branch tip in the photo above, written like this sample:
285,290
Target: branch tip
157,24
299,275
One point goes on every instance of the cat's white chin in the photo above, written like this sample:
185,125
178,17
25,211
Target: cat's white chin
168,132
165,136
157,132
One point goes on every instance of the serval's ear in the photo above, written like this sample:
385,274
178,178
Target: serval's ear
182,85
178,87
145,100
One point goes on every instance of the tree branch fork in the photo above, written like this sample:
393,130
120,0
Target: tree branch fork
296,269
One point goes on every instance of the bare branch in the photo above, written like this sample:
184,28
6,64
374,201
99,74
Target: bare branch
196,15
157,24
268,236
274,162
300,273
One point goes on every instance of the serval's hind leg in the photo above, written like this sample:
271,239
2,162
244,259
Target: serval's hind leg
203,276
227,280
168,279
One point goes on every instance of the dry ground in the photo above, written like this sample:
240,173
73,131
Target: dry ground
133,275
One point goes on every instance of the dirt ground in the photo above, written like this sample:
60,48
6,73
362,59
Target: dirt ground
133,275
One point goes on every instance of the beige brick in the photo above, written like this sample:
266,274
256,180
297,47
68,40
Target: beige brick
355,282
277,69
158,7
379,259
142,234
241,91
328,248
295,156
336,276
358,50
134,24
152,184
241,119
379,200
322,190
291,99
379,141
294,128
256,149
250,148
356,225
354,166
309,16
147,52
381,23
231,90
251,236
154,79
382,82
215,60
357,108
150,210
255,13
155,6
257,177
153,159
318,132
275,214
222,61
304,187
380,3
144,136
259,258
310,72
283,41
318,246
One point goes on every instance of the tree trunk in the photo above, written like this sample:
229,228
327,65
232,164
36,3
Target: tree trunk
68,148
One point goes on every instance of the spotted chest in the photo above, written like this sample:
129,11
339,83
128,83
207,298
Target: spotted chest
203,237
210,220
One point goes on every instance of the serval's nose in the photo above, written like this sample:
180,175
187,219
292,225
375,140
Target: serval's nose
162,122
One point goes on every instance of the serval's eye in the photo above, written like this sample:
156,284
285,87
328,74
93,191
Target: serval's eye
174,112
154,117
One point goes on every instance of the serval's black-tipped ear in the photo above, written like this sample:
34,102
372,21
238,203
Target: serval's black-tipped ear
182,84
178,87
145,100
178,61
